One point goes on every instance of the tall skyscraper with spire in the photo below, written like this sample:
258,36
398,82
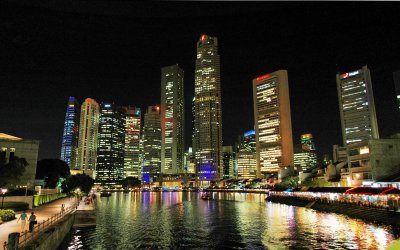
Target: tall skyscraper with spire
69,145
357,106
88,132
273,122
132,161
172,119
208,113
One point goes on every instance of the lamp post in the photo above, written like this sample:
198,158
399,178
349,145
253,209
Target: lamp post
3,193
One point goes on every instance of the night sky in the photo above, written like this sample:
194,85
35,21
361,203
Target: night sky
115,52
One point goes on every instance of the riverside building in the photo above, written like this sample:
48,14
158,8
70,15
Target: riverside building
273,123
88,133
11,147
69,145
151,142
132,161
357,106
246,160
208,115
306,157
110,151
172,120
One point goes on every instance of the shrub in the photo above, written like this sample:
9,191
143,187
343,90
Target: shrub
7,214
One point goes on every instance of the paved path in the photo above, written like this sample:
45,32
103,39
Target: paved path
42,213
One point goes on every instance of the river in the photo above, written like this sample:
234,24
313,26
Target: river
181,220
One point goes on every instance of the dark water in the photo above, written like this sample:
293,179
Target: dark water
175,220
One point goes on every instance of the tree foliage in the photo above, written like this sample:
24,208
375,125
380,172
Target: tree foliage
289,182
82,181
11,172
52,170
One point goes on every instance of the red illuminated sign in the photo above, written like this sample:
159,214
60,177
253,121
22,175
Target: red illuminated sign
262,77
345,75
203,37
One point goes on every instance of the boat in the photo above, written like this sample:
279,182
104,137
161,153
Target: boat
206,196
105,193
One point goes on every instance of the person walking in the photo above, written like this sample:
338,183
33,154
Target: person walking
23,217
62,208
32,222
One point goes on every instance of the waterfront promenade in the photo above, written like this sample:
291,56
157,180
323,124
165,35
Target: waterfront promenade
42,213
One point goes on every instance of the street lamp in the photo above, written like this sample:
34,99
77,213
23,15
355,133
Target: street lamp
3,193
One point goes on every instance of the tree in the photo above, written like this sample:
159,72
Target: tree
289,182
11,172
82,181
52,170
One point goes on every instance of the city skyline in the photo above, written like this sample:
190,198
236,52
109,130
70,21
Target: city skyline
76,73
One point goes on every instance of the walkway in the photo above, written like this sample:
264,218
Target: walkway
42,213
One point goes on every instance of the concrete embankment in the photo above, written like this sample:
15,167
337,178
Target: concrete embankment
354,211
52,238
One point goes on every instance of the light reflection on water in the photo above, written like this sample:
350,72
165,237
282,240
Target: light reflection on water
175,220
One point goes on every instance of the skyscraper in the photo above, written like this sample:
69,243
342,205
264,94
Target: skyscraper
227,153
306,158
208,114
246,159
88,132
69,145
132,161
152,139
110,151
172,119
396,78
273,123
357,106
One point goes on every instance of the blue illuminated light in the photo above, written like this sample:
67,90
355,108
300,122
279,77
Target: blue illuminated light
206,172
107,105
249,133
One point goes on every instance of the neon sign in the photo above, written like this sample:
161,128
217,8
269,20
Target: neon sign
345,75
263,77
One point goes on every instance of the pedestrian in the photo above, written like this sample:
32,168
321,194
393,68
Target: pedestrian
62,208
32,222
23,217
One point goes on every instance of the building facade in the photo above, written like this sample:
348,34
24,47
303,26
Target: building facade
246,160
273,123
132,161
69,145
227,157
357,106
372,160
88,133
172,119
152,140
11,147
111,146
208,113
306,158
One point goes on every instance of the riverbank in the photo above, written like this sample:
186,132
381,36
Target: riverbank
371,214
